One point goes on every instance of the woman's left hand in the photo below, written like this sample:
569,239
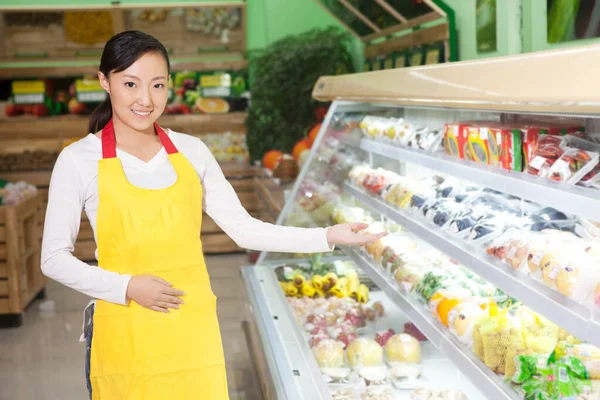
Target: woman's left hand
349,234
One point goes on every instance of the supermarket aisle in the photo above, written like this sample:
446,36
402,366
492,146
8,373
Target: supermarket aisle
44,360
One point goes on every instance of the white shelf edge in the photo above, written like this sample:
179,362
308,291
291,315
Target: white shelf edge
273,343
563,311
567,198
466,361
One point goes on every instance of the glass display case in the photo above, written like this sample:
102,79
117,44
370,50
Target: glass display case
488,284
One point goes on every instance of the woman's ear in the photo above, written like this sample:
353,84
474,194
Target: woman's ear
104,82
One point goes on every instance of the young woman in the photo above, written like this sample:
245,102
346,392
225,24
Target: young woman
154,324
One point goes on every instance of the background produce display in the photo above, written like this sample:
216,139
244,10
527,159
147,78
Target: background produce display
12,194
207,92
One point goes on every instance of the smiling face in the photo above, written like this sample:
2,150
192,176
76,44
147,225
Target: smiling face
139,93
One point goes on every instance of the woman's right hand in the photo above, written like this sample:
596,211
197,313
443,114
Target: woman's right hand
154,293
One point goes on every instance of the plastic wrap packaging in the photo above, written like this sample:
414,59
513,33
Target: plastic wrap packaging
364,352
329,354
573,166
444,301
373,126
403,348
588,354
462,320
408,276
554,159
358,173
379,179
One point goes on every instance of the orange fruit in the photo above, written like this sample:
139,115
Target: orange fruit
212,106
302,145
271,158
313,133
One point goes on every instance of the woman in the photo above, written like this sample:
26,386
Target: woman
154,325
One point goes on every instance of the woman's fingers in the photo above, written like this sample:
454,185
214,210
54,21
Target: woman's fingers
358,226
162,281
167,305
159,309
364,239
170,299
173,292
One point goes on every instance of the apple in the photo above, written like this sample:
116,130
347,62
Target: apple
12,110
40,110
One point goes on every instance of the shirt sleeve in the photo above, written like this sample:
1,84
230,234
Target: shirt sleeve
222,204
66,199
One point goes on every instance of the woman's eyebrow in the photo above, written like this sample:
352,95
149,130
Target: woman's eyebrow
135,77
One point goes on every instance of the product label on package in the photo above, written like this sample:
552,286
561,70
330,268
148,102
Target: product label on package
537,162
537,258
28,92
216,85
89,91
433,57
554,273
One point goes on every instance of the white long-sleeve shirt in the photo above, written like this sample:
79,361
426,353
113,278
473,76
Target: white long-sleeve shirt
74,187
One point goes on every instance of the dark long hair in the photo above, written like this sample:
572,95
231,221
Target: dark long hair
119,53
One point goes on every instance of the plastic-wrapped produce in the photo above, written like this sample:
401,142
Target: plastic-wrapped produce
364,353
403,348
462,319
329,354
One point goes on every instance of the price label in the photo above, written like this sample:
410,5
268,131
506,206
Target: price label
210,81
28,92
89,91
216,85
433,57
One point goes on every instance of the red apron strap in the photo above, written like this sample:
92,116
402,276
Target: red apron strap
109,142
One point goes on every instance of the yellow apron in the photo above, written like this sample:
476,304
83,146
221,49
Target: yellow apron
140,354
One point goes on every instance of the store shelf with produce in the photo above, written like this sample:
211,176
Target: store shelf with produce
71,126
293,369
464,359
568,198
553,305
63,68
287,348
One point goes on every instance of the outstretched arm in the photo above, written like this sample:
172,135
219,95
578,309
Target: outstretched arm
222,204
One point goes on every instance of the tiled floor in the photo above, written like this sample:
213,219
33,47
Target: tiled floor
43,359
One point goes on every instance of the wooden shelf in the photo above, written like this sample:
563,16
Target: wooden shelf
61,68
72,126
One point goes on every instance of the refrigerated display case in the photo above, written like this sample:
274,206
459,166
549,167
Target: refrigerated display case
485,176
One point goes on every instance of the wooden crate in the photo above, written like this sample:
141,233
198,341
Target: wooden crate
172,27
48,34
21,278
270,198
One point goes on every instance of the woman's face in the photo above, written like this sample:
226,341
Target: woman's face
139,94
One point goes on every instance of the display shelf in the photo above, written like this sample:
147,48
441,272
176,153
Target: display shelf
63,68
286,345
466,361
67,126
295,373
553,305
568,198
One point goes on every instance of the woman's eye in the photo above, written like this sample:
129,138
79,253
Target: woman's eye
130,84
159,86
